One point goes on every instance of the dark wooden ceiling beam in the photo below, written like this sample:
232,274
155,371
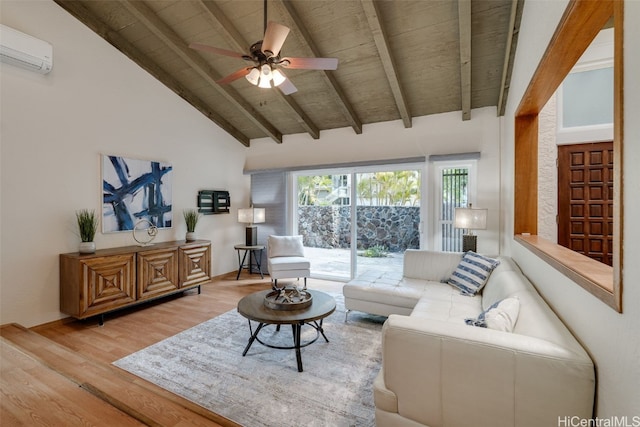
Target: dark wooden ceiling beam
515,18
161,30
464,27
232,35
327,104
372,13
336,91
85,16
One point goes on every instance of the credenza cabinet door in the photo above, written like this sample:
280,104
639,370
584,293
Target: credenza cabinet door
195,264
157,273
107,283
110,282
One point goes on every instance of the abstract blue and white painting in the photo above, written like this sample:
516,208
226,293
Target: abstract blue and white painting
135,189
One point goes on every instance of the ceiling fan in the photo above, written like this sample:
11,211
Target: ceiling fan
265,55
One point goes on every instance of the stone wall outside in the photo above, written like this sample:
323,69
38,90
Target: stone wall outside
394,227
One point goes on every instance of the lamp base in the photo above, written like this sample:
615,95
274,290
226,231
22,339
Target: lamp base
469,242
252,236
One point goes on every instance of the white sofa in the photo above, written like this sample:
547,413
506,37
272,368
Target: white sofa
439,371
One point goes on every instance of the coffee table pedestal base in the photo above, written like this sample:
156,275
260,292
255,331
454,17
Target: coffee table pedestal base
297,344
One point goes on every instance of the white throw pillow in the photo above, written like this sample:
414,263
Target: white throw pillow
472,272
501,316
285,246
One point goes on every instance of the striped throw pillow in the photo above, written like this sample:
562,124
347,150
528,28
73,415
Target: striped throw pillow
472,273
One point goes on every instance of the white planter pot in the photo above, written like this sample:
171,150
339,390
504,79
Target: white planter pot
87,247
191,236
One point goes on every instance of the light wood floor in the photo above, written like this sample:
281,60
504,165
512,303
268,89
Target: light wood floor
60,374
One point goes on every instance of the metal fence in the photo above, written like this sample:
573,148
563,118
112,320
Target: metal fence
454,195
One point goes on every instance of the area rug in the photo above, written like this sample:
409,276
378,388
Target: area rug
204,364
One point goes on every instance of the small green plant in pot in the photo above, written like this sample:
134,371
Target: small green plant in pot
87,225
191,217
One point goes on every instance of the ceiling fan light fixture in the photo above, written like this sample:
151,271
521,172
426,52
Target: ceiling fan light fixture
278,77
264,83
253,76
265,77
266,72
265,55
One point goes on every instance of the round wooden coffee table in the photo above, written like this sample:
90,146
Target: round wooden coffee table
252,307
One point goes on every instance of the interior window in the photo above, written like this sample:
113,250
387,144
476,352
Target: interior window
575,171
579,26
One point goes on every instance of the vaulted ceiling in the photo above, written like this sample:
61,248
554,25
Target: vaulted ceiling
397,59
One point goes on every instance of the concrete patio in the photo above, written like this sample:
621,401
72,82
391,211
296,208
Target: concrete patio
336,262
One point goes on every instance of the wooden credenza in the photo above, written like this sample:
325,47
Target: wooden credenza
111,279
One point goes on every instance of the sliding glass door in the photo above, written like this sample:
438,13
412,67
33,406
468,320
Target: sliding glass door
324,220
387,218
357,220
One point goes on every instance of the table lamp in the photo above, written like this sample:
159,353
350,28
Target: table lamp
251,216
470,219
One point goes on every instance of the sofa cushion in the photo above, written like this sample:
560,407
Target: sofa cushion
385,288
443,302
506,264
501,316
472,272
429,265
503,284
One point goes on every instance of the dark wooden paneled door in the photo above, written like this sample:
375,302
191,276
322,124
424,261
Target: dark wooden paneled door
585,199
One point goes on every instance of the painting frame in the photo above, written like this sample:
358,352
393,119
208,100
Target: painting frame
134,190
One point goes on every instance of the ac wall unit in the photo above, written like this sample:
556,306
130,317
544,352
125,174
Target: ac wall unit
25,51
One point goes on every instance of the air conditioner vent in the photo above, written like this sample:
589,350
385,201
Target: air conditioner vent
25,51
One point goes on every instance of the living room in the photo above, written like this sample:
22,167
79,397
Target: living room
96,101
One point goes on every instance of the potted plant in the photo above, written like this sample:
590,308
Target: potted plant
191,217
88,225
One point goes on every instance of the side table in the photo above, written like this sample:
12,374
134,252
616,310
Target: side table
255,255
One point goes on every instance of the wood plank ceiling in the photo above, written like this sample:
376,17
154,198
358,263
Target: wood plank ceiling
397,59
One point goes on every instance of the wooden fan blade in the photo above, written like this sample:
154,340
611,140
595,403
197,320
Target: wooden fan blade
274,38
234,76
310,63
225,52
287,87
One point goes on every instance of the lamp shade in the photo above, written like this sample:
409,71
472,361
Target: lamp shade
251,215
278,77
253,76
265,77
470,218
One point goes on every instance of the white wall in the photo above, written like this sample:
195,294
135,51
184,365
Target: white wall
436,134
612,339
54,130
548,172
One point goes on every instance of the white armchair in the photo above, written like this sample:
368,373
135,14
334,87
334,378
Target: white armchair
285,259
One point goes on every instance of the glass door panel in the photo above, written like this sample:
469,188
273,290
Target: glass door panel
324,221
453,194
387,218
